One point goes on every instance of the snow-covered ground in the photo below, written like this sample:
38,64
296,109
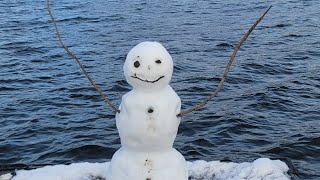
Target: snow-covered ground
260,169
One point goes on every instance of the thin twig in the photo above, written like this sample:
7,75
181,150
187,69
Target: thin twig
116,110
197,107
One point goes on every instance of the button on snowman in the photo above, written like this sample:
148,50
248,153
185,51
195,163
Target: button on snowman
148,122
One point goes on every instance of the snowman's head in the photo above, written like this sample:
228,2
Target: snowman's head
148,66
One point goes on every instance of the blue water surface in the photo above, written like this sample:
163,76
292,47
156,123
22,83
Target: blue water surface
268,107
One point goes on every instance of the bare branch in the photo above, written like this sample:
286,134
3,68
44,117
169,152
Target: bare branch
116,110
244,38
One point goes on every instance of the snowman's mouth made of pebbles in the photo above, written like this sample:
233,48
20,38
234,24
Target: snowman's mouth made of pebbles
146,80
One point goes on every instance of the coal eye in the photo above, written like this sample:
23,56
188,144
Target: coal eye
136,64
158,61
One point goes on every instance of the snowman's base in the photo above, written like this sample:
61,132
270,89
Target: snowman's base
166,165
262,168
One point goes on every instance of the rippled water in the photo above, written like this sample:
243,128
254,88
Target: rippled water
269,106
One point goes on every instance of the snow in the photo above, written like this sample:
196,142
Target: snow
147,122
260,169
76,171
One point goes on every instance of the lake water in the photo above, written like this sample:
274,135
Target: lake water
268,107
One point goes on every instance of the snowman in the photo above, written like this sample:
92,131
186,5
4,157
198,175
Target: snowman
147,121
149,115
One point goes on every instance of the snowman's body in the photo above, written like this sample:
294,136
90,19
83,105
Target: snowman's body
148,122
155,130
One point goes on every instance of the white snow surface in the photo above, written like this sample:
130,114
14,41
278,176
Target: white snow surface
260,169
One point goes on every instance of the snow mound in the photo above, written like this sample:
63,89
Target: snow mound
260,169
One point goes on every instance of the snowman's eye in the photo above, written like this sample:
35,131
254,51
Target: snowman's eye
136,64
158,61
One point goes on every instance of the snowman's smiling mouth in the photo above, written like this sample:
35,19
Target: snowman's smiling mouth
146,80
